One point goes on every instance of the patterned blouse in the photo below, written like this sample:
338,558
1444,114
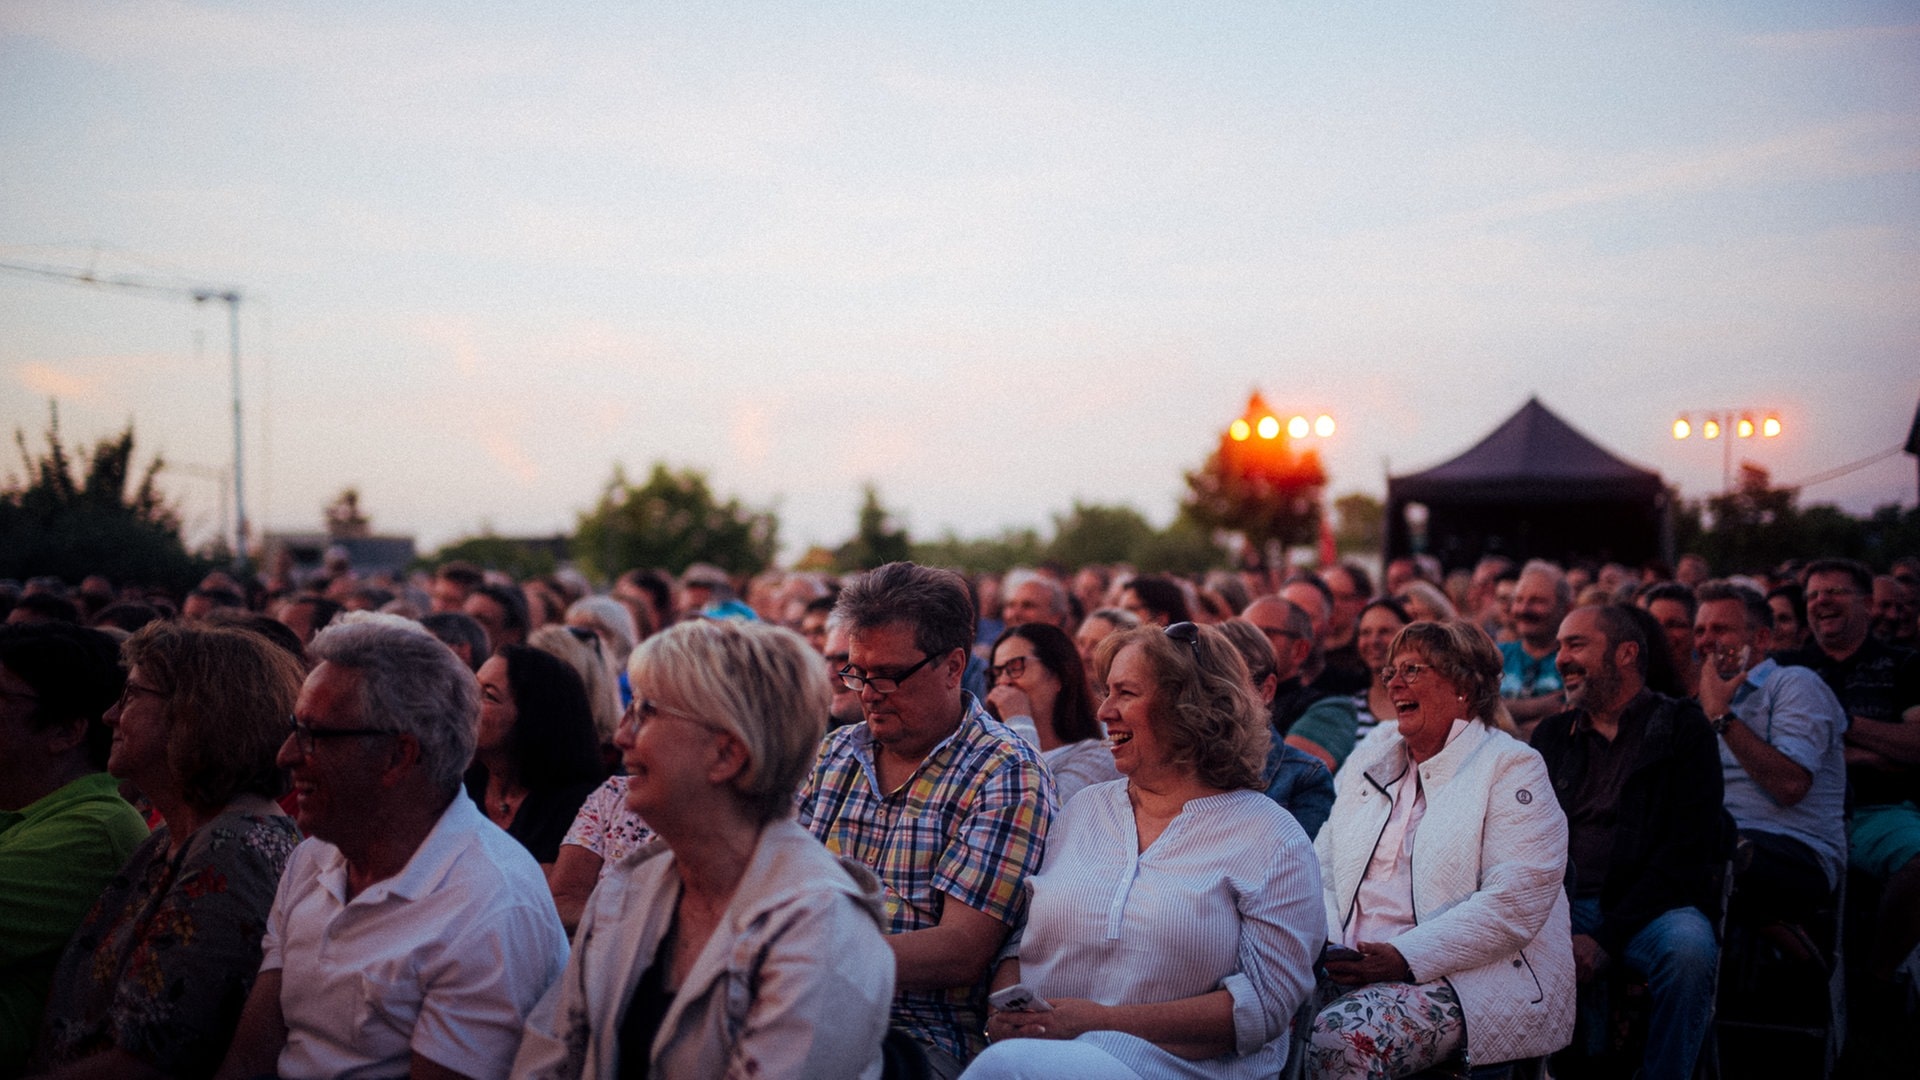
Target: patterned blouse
164,961
606,827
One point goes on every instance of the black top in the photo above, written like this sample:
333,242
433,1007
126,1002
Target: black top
640,1024
1671,833
544,816
1876,684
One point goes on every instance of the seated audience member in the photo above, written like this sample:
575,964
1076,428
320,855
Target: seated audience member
127,615
501,610
203,601
844,709
1154,600
153,981
946,804
44,607
1879,687
308,615
737,945
1638,776
409,934
453,583
537,757
1095,628
1040,691
1380,622
1345,671
1174,922
1662,676
1789,605
1443,865
1319,723
1298,781
1426,603
1034,597
1894,611
64,829
1529,681
1674,606
613,621
1781,760
461,633
604,832
582,650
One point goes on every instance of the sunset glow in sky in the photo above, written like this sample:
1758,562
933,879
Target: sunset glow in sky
989,257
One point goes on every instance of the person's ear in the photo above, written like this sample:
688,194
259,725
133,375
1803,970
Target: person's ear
64,739
729,760
403,753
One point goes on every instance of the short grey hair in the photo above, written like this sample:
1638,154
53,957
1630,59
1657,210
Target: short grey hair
1056,593
410,684
1562,591
761,683
611,620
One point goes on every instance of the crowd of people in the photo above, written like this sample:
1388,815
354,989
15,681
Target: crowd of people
907,822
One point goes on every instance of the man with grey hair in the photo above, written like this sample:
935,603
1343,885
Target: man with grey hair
1529,680
945,804
409,934
1035,597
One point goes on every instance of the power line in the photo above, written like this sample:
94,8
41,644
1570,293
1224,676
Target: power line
1834,474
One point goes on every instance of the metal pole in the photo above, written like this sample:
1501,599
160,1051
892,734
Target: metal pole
239,481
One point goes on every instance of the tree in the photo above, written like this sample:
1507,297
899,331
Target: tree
1758,526
517,558
1091,533
671,521
874,543
1184,547
1257,484
1362,521
985,555
68,523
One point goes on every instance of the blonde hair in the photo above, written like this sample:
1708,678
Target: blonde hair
587,656
763,684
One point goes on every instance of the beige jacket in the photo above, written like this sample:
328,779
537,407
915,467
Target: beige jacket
796,981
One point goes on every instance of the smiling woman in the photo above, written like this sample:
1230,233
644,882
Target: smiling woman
1193,964
1443,862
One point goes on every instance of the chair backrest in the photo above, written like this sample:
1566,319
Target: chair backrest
902,1059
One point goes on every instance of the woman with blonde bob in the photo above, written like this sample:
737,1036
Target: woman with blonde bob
735,944
152,982
1172,928
1443,862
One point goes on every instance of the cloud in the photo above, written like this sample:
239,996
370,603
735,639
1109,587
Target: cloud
44,380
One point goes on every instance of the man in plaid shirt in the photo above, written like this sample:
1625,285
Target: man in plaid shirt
947,805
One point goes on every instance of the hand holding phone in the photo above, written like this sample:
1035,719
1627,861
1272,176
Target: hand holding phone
1017,998
1338,953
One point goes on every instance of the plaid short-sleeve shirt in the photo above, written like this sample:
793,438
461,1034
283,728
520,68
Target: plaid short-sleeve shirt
970,823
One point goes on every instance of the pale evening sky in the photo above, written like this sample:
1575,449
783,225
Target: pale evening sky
990,257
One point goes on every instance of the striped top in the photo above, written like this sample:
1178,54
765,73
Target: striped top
970,824
1228,897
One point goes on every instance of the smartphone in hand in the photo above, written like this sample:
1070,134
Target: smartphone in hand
1017,998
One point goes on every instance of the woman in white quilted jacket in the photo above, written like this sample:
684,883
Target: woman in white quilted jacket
1443,863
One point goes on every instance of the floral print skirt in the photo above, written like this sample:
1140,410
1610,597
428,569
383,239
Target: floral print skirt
1386,1030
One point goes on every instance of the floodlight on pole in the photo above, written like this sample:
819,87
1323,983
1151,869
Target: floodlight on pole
1728,424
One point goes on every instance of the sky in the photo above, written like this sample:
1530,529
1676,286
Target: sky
991,258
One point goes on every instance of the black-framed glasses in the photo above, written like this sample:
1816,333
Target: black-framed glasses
1409,672
1189,633
306,735
1012,669
883,684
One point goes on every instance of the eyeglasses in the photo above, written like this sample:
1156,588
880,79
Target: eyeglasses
1189,633
1409,672
1012,669
1838,592
645,710
883,684
306,735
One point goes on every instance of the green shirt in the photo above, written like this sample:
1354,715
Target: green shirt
56,855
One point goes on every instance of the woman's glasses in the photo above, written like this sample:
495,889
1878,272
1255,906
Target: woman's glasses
1012,669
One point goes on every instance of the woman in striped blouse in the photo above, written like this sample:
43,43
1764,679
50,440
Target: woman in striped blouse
1173,925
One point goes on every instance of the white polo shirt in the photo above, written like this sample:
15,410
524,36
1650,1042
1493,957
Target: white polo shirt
444,959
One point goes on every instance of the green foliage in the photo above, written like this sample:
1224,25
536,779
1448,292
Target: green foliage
1184,547
1361,523
518,558
1258,485
874,543
68,523
988,555
1091,533
1758,527
669,522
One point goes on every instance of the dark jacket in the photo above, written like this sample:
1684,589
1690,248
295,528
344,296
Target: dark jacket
1673,835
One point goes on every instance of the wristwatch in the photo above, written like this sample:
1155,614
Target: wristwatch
1720,722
